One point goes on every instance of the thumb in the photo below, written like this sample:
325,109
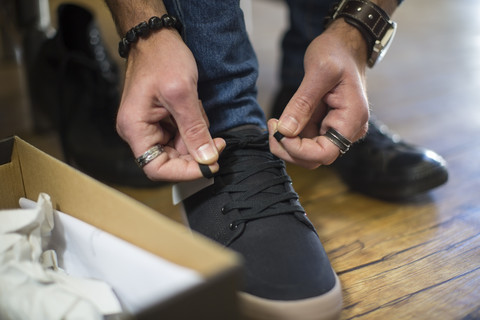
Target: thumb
193,128
300,109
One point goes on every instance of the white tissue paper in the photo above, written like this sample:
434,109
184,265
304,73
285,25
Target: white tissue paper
138,278
31,284
49,273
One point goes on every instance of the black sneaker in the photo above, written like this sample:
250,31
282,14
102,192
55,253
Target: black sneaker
382,165
252,208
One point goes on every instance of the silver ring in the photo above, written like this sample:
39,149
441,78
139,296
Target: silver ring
337,139
149,155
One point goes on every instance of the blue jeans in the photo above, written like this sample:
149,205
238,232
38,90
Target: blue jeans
306,19
227,65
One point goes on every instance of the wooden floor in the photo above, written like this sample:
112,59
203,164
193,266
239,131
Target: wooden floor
413,260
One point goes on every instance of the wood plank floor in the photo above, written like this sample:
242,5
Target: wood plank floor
418,259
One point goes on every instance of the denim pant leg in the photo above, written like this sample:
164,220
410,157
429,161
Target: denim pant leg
306,23
227,65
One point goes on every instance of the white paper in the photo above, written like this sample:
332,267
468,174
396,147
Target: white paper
139,278
31,284
183,190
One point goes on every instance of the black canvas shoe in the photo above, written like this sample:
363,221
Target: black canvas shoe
251,207
381,165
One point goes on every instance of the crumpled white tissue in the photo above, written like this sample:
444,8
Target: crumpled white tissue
31,284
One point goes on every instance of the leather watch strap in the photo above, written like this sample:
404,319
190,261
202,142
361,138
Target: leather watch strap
371,20
369,15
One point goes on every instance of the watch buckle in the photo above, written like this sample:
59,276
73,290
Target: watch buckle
380,47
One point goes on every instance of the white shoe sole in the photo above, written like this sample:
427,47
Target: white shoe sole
325,307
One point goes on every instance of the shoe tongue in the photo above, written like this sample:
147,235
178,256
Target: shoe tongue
245,130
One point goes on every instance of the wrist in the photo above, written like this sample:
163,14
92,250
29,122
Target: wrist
371,20
162,41
127,14
352,39
144,29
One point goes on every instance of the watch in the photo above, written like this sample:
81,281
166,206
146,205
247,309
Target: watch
372,22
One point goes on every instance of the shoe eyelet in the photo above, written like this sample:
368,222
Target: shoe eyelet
223,210
233,226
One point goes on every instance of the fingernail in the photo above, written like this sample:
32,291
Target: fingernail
221,146
207,153
289,124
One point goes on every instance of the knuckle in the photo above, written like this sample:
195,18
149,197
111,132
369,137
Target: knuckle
195,129
364,130
150,175
121,124
303,106
365,116
329,160
153,174
312,166
128,127
331,65
177,90
363,124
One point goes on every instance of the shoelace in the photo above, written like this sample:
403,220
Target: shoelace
259,200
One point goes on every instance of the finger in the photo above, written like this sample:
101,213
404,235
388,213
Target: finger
193,128
139,124
306,152
170,166
173,166
348,112
204,114
304,104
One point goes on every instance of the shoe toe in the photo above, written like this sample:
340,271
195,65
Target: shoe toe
413,160
396,173
287,272
284,260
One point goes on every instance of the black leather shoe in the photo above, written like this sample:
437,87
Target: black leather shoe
75,83
381,165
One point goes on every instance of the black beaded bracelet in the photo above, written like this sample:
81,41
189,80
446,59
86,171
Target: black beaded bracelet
142,30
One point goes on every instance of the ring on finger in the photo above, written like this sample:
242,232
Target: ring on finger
339,140
149,155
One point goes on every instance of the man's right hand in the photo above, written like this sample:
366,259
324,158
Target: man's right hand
160,105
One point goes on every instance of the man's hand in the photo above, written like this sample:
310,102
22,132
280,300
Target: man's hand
331,95
160,106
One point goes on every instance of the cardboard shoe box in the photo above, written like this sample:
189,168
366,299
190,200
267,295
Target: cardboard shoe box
26,172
